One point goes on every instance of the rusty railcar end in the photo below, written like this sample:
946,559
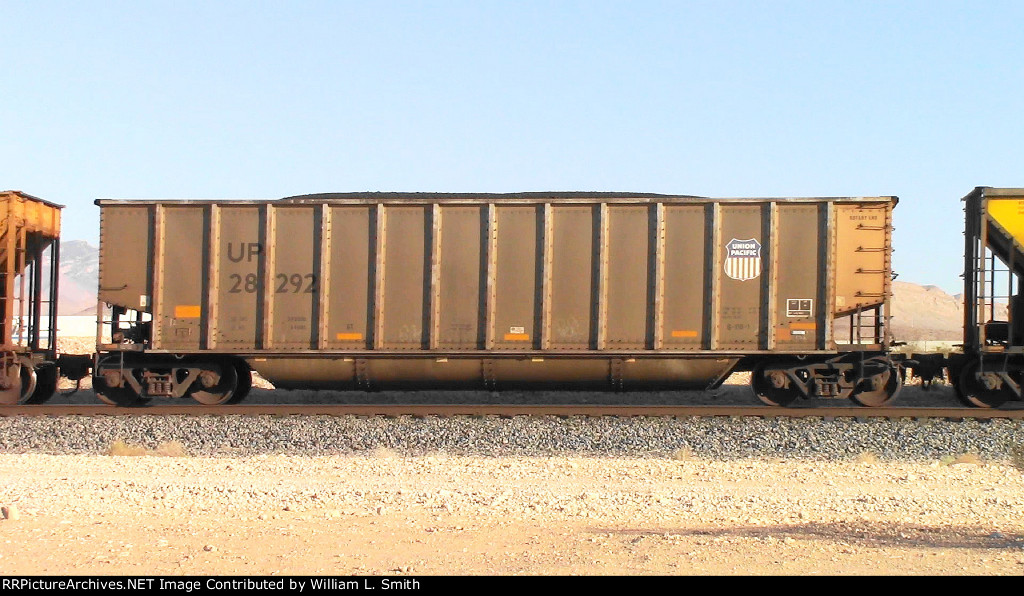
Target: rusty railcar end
29,249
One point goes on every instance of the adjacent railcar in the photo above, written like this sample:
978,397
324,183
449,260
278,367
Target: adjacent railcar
990,370
29,262
603,291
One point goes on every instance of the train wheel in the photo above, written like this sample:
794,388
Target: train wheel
219,384
244,382
45,386
116,396
983,389
878,390
772,387
15,393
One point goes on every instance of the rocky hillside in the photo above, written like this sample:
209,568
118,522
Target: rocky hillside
928,313
79,277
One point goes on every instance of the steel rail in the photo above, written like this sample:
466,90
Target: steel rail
499,410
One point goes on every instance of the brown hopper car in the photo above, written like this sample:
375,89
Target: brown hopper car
604,291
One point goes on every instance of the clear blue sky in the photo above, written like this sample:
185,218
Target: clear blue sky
721,98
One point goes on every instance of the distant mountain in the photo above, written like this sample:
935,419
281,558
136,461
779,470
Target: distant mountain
79,278
927,313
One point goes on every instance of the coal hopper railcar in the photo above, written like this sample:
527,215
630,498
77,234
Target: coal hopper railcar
587,291
990,370
29,258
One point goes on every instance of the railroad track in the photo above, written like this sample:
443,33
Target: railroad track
503,410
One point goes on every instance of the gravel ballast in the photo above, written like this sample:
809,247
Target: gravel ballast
710,437
717,437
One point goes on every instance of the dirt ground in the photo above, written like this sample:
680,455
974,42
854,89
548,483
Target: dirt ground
383,514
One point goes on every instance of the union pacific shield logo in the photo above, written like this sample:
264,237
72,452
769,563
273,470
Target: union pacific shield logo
743,259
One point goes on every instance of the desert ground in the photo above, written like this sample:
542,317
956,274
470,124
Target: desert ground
386,514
